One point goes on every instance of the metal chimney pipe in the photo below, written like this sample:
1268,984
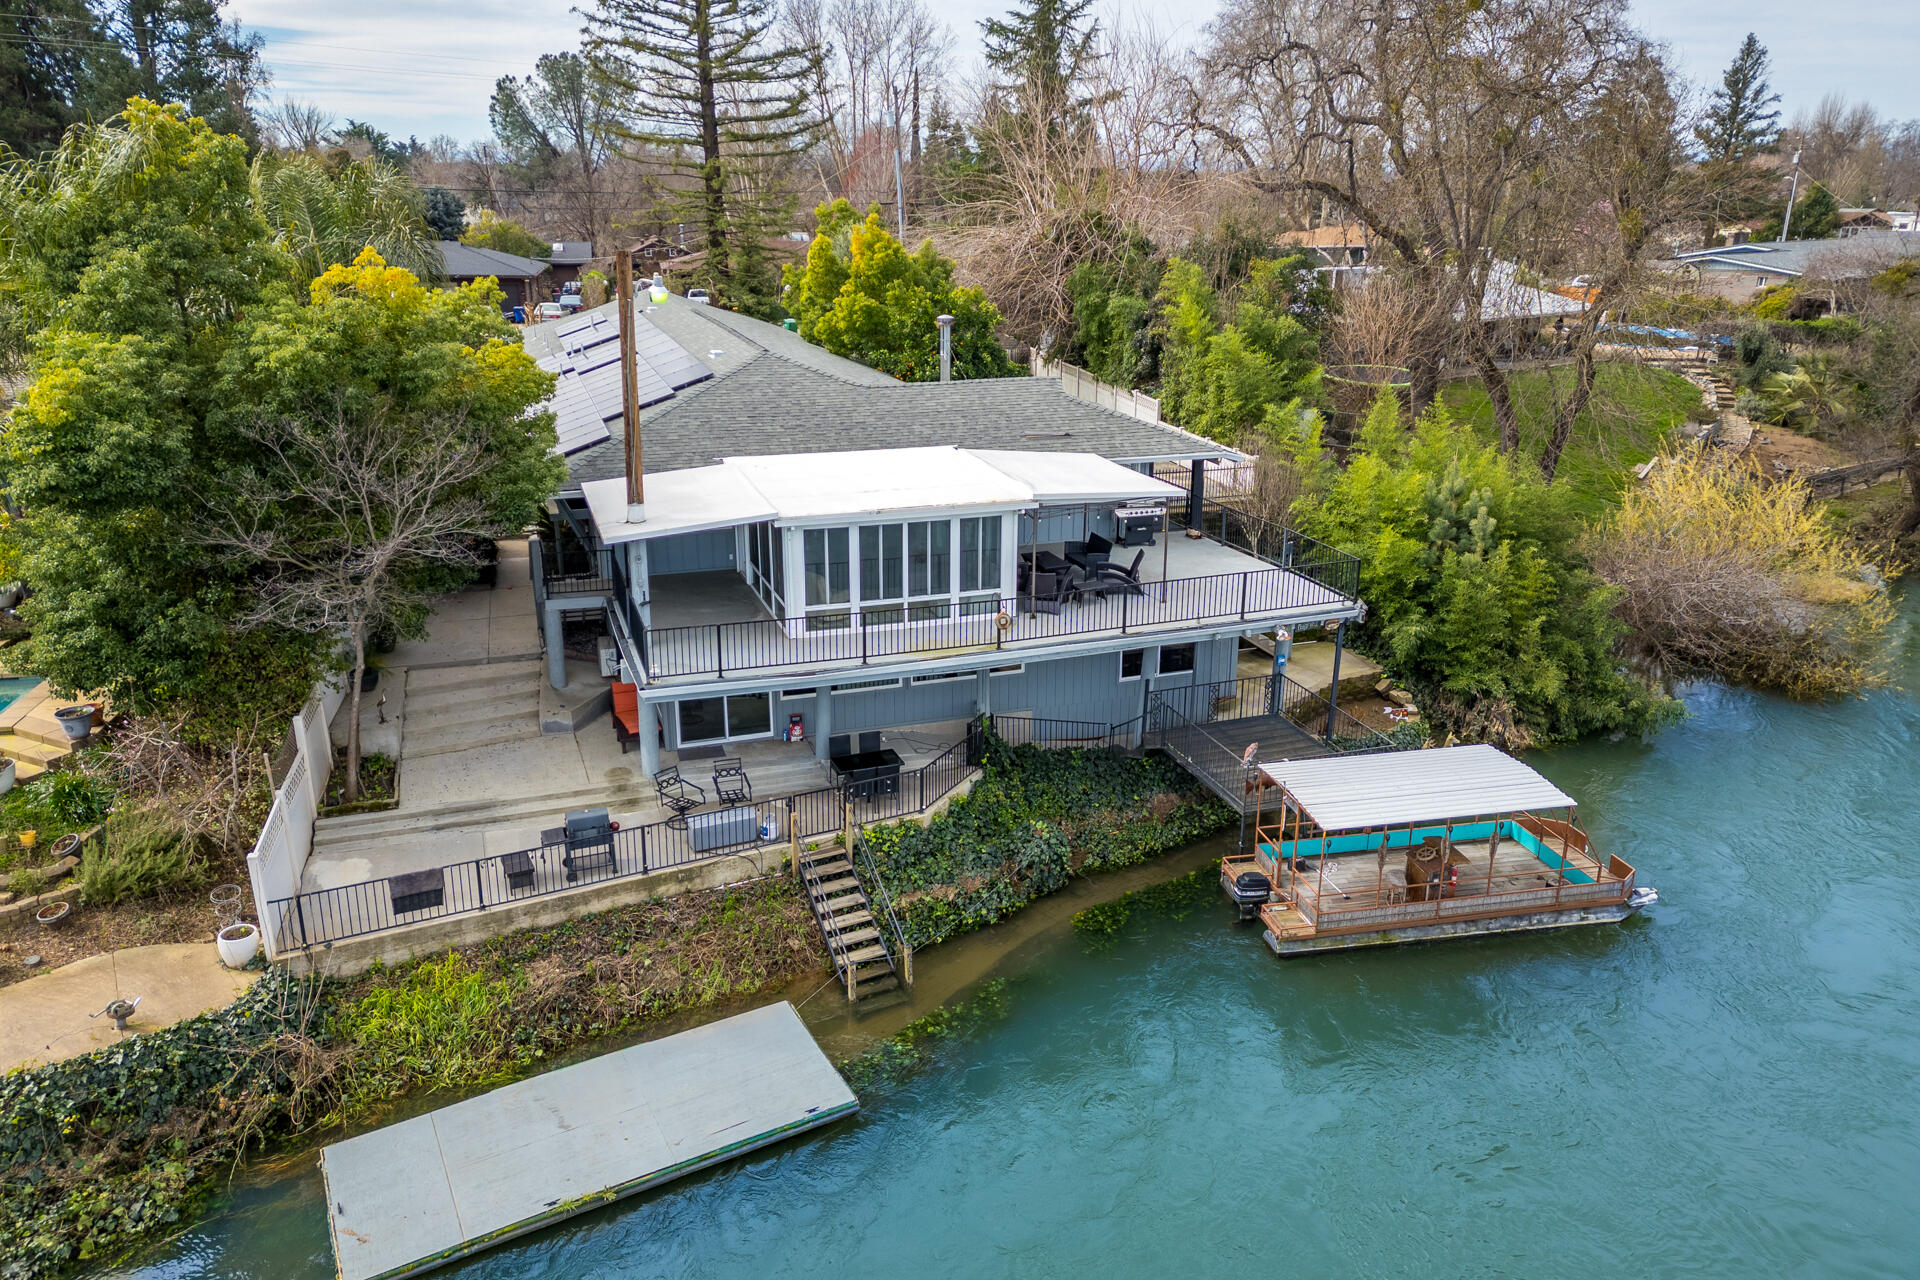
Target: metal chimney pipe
946,347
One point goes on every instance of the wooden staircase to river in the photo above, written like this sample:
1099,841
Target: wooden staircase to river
868,953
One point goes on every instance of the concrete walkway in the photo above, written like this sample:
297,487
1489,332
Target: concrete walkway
44,1019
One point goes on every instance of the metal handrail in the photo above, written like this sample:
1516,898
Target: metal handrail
902,953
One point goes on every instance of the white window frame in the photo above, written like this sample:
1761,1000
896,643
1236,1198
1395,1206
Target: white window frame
945,677
869,686
1121,658
1161,652
985,601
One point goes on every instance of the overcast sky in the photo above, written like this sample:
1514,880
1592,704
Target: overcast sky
426,67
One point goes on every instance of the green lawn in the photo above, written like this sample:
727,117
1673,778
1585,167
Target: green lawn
1633,410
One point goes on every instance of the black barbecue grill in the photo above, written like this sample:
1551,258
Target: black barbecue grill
589,840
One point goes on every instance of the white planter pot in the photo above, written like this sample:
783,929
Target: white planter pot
7,769
238,944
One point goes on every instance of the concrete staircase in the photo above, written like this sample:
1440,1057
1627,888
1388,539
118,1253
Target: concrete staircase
847,923
458,708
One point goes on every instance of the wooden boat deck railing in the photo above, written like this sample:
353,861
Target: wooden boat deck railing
1347,907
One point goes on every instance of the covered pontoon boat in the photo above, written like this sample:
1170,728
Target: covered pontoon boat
1400,847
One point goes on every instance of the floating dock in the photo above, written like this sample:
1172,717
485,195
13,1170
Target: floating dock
428,1191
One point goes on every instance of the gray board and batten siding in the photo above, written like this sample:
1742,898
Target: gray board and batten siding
1089,688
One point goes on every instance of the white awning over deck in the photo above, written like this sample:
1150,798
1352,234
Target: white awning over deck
796,488
1347,793
689,501
1070,479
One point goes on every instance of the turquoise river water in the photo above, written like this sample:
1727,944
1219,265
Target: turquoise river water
1726,1086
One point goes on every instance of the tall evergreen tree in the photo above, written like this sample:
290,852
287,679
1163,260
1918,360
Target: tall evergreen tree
1741,122
186,51
1041,47
711,86
56,68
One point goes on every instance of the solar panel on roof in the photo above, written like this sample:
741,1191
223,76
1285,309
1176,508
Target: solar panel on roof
586,397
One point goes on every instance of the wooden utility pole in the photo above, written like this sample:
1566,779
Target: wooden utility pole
629,382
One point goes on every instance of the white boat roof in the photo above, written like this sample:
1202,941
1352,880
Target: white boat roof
798,488
1344,793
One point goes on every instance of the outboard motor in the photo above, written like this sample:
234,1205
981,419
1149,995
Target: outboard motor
1250,891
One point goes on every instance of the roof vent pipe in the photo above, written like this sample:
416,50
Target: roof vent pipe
946,347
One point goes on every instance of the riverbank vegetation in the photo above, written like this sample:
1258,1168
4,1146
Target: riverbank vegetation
1480,599
103,1152
1033,821
1720,571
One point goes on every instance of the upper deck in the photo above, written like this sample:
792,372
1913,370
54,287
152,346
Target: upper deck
711,625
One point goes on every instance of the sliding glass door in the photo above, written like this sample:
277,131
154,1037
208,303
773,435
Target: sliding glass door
725,719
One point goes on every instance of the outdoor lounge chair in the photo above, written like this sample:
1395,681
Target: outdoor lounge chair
730,782
1043,593
626,715
677,794
1089,554
1111,579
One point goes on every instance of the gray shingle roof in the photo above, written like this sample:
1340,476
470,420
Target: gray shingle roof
1864,253
773,392
570,253
470,261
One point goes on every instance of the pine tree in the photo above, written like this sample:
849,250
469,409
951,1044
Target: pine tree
1741,123
56,68
1743,120
1043,47
712,86
186,51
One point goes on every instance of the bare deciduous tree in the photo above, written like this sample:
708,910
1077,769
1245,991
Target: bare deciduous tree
1430,125
342,515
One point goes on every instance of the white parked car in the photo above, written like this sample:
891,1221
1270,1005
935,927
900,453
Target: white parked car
549,311
698,295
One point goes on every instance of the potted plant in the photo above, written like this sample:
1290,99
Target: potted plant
7,769
54,913
238,944
77,721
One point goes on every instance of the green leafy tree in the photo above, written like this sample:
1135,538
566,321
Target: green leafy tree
1816,216
557,126
391,430
380,144
1221,380
445,212
1112,315
188,51
1478,595
323,214
720,98
136,249
491,231
862,295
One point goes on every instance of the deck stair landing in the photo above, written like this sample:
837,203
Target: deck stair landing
864,962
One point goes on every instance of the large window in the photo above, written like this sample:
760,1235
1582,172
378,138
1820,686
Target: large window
980,554
829,576
1175,658
766,566
906,571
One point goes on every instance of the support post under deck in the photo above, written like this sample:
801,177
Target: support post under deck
1333,690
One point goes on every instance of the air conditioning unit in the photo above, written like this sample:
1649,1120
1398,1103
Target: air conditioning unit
609,657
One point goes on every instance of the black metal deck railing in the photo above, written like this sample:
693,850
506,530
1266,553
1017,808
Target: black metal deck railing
733,648
327,916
